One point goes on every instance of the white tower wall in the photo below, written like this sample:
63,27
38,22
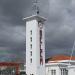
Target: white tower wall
35,46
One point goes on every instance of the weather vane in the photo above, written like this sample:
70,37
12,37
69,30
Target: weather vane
36,7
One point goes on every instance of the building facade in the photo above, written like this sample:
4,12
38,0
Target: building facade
71,70
56,69
60,65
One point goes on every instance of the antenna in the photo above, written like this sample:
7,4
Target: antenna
72,52
36,7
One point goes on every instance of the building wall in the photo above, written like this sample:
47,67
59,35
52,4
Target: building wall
35,68
71,71
31,67
50,68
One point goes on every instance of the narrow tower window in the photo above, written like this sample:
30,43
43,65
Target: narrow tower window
53,72
30,53
31,60
31,46
31,39
31,32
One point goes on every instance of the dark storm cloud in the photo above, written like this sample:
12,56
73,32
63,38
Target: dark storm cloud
13,39
12,28
15,9
60,27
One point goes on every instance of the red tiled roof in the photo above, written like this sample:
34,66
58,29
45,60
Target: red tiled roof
61,57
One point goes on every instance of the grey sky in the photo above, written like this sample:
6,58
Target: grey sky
60,27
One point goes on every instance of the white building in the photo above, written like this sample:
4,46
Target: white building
60,66
35,45
56,69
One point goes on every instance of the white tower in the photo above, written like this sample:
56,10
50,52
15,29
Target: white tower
35,45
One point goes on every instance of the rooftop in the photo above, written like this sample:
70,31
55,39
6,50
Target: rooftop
58,58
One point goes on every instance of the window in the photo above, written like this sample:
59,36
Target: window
31,32
64,71
31,46
31,60
53,72
31,74
30,53
31,39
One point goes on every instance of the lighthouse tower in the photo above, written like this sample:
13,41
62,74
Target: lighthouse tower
35,45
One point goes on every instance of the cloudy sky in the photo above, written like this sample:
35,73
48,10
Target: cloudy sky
59,27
